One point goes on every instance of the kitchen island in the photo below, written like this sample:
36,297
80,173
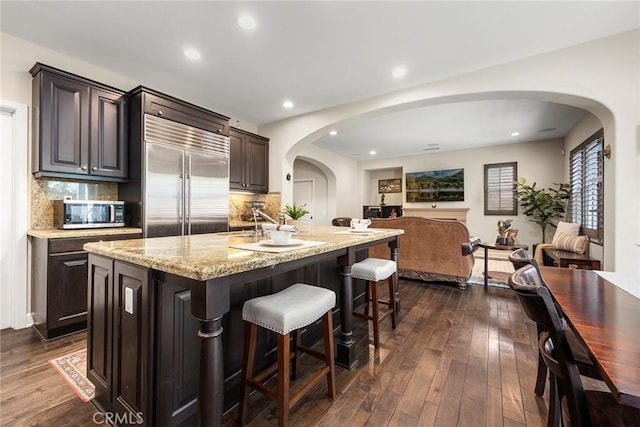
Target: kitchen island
158,308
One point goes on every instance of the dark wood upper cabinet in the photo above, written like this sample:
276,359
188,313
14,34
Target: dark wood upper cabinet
249,161
168,107
80,127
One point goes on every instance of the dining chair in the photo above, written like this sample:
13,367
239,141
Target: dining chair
568,398
525,282
341,221
519,258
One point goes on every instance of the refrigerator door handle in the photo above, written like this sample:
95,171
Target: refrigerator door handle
187,198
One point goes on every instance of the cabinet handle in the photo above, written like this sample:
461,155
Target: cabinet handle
160,112
95,168
83,167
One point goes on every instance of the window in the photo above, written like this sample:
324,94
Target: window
500,189
586,170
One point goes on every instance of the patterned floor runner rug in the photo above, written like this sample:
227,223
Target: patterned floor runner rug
73,368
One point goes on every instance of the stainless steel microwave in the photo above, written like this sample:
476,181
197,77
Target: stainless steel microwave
69,214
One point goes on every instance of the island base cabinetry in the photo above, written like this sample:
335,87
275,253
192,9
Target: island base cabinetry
146,363
119,339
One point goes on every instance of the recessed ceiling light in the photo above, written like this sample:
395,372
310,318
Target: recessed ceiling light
515,133
333,133
192,54
399,72
287,104
247,22
372,152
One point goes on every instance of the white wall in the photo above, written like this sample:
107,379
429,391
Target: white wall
599,76
370,186
539,162
342,193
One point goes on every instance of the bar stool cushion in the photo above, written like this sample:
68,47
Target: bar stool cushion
373,269
292,308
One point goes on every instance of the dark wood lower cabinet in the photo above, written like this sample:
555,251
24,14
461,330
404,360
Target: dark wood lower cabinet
145,363
59,276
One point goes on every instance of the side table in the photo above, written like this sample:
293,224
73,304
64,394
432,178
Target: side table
496,274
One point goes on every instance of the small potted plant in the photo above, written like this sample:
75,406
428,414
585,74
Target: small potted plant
295,212
503,228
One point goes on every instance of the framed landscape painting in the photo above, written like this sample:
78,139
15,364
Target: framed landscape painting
435,186
393,185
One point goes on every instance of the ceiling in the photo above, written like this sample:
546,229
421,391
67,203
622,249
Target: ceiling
322,54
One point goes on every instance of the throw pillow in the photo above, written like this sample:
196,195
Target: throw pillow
577,244
570,228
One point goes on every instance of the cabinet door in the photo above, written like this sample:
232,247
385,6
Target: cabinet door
64,109
67,282
108,134
131,299
100,329
182,112
257,164
236,162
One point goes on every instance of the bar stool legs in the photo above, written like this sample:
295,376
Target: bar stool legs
251,333
285,313
375,270
375,317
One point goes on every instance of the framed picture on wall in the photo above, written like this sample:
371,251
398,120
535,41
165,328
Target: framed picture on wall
435,186
393,185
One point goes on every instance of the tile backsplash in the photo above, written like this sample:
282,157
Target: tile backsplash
238,205
45,190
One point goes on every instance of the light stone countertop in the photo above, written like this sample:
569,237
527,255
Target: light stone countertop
56,233
243,224
208,256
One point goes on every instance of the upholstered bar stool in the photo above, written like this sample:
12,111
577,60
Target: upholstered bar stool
284,312
375,270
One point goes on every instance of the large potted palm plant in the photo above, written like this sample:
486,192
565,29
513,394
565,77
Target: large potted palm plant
542,204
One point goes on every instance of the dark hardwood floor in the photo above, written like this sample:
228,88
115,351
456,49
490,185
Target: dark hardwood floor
457,358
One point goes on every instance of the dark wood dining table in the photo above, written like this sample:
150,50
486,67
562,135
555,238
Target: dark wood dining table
607,320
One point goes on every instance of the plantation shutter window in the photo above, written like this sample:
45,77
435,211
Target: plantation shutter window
500,189
586,170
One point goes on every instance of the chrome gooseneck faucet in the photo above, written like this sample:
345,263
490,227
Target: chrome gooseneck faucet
256,212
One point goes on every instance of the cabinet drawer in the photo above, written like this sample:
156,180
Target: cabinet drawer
184,113
74,244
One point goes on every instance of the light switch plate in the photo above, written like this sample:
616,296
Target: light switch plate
128,300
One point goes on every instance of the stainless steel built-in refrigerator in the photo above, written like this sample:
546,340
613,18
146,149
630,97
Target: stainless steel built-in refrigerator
185,179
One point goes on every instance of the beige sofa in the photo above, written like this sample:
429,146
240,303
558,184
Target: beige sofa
430,249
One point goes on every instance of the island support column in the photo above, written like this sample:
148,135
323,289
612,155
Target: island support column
346,348
209,302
